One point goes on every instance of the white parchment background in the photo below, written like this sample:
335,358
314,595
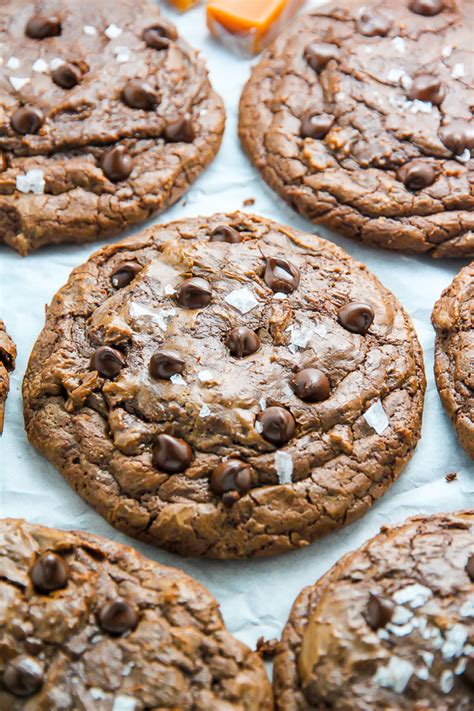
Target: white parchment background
255,596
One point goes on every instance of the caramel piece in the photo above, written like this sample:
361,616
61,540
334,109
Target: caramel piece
183,5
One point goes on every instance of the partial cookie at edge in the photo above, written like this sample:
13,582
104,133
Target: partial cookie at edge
7,364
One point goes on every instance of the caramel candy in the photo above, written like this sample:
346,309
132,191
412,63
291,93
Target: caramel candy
248,26
183,5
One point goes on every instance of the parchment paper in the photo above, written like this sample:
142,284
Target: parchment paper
255,596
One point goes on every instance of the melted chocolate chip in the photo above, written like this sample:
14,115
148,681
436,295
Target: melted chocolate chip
242,341
107,361
159,36
314,124
28,119
118,617
125,274
194,293
164,364
379,612
457,136
417,175
225,233
318,54
231,480
427,87
180,131
281,276
42,26
139,94
470,568
371,23
171,455
310,385
426,7
50,572
356,317
67,76
278,425
117,164
23,676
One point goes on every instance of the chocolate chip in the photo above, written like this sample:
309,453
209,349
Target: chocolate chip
427,87
66,76
125,274
107,361
242,341
470,567
28,119
457,136
23,676
117,164
118,617
468,674
164,364
278,425
310,385
356,317
159,36
42,26
50,572
181,130
318,54
379,612
139,94
194,293
281,276
426,7
314,124
231,480
417,175
371,23
171,455
225,233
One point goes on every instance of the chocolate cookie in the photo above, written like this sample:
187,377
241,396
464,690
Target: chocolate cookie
7,363
389,627
91,624
226,386
360,117
107,117
453,320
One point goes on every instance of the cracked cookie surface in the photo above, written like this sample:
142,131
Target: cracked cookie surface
226,386
107,117
360,118
91,624
7,364
453,320
390,626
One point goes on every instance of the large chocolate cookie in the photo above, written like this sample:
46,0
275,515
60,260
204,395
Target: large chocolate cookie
389,628
107,117
91,624
453,319
7,363
360,117
226,386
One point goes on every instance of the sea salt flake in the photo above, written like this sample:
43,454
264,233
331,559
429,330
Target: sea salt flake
280,296
299,336
461,666
89,30
458,71
258,427
242,299
18,82
169,290
414,595
122,54
97,693
96,638
40,66
205,411
124,703
395,74
456,637
177,379
422,673
446,681
263,403
13,63
395,675
427,657
32,182
128,669
284,467
399,44
162,317
401,615
401,630
383,634
421,107
465,156
320,330
376,417
406,81
467,608
447,51
205,376
112,31
56,62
